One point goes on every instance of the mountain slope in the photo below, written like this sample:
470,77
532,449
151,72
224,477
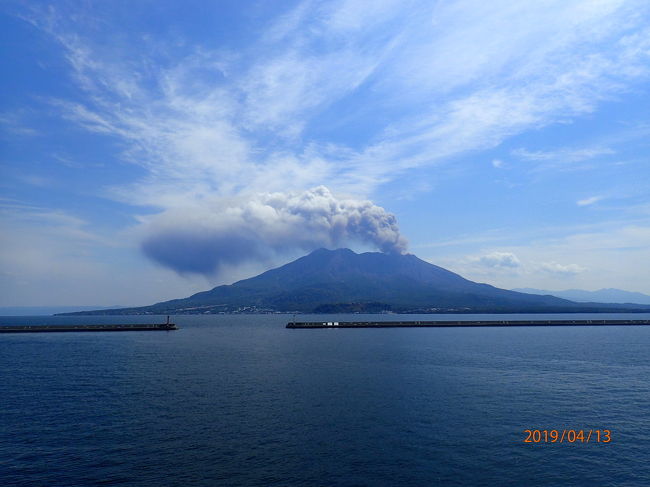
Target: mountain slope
343,281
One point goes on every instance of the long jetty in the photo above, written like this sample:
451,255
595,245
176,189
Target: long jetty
66,328
460,324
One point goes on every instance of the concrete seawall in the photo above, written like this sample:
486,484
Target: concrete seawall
89,328
460,324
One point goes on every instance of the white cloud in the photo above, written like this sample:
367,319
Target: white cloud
507,263
589,201
56,223
281,92
560,269
604,255
498,260
498,163
479,74
563,156
209,126
15,124
486,266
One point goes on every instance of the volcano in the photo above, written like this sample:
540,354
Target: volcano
342,281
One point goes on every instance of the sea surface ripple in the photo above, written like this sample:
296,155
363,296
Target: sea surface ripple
241,401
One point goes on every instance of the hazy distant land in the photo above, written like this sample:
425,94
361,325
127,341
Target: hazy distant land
46,310
610,295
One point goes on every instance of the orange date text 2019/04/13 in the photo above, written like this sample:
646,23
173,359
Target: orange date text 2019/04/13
567,436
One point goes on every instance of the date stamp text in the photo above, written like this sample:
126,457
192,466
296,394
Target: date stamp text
567,436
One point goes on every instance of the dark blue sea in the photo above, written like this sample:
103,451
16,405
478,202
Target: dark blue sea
242,401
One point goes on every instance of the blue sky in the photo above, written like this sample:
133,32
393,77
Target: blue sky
153,149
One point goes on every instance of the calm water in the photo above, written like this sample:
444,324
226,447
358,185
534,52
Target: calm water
241,401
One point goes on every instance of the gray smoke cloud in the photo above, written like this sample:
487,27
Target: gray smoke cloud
202,240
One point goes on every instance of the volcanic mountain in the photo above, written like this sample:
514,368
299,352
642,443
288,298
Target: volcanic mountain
326,281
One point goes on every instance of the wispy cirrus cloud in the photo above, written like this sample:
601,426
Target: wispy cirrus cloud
510,84
563,156
14,124
432,81
589,201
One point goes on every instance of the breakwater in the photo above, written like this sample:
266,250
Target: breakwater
460,324
90,328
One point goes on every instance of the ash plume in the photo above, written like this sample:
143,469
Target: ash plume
202,239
